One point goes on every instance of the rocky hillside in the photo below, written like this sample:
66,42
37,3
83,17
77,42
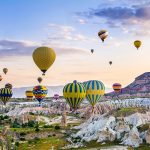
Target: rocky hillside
140,87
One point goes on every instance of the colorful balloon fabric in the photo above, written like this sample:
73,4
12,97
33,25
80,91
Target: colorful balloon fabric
103,35
94,91
29,94
137,44
117,87
56,96
40,92
74,93
44,57
5,70
39,79
8,85
5,95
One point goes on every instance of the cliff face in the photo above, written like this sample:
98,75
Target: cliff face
140,87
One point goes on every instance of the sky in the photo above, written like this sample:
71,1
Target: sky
71,28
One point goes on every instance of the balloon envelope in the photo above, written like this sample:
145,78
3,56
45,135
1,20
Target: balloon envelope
94,91
1,78
44,57
137,43
56,96
39,79
8,85
40,92
5,95
103,34
117,87
74,93
29,94
5,70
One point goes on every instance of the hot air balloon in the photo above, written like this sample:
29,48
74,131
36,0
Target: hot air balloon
94,91
92,50
5,70
40,92
110,62
1,78
8,85
56,96
39,79
103,35
117,87
29,94
5,95
74,93
44,57
137,43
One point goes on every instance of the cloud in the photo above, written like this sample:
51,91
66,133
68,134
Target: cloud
128,18
25,48
82,21
64,33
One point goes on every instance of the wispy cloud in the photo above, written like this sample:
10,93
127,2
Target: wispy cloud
65,33
25,48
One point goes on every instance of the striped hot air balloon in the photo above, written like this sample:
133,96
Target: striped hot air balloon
94,91
5,95
29,94
74,93
117,87
103,35
40,92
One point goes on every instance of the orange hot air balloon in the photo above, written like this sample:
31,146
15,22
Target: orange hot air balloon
117,87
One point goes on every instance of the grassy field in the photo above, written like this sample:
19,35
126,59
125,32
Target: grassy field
128,111
42,144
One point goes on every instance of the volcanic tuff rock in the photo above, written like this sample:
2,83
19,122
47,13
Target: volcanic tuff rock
140,87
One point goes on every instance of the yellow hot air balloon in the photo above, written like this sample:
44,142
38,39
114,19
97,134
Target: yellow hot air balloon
137,44
44,57
94,91
74,93
29,94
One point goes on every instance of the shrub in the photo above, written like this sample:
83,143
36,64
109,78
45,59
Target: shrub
48,126
17,144
36,139
29,142
22,139
22,133
57,127
37,129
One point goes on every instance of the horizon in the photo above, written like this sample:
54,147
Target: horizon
71,28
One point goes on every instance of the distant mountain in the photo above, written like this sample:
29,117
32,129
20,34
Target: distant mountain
140,87
20,92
